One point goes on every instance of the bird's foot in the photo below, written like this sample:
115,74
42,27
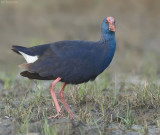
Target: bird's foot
71,115
58,115
61,115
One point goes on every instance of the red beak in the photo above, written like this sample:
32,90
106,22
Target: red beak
112,26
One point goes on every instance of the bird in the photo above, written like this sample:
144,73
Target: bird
69,61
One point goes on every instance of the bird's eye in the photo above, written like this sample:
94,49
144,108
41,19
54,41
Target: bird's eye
106,21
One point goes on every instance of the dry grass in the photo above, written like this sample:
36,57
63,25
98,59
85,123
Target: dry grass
127,100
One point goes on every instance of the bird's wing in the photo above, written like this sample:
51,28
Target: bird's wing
70,70
64,64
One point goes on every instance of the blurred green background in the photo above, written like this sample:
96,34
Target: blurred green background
29,23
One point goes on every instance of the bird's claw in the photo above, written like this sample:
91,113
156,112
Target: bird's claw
58,115
71,115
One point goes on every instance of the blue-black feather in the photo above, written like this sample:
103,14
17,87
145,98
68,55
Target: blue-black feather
74,61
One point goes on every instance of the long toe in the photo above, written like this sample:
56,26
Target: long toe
71,115
58,115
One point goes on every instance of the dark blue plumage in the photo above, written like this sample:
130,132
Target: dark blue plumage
74,61
69,61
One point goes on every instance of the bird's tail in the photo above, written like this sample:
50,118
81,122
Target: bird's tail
19,49
26,52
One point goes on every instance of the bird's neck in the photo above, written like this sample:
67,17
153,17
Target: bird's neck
108,40
109,44
107,36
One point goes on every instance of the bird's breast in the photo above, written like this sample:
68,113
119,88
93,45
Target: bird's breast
107,56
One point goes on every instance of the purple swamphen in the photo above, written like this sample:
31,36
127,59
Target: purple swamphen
71,62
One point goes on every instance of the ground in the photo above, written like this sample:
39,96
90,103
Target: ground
112,104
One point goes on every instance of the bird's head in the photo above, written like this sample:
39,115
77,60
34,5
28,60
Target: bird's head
108,25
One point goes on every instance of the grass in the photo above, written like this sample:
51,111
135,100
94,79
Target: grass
127,121
109,99
46,129
8,81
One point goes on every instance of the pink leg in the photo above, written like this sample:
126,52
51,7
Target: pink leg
54,96
61,96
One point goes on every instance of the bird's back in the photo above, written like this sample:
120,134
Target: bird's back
74,61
